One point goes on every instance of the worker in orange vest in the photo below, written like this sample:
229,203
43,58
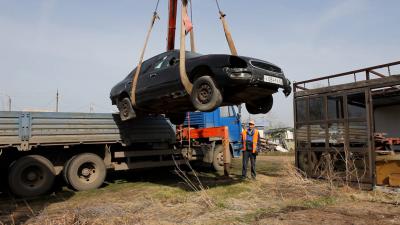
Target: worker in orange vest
250,142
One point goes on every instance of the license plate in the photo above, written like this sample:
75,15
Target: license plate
274,80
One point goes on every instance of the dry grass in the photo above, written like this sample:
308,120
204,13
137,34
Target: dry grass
280,195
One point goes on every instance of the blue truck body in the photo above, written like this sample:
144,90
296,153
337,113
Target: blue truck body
223,116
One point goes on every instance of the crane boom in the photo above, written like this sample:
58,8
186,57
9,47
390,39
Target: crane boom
172,9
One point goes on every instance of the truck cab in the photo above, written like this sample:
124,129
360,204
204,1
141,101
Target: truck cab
228,116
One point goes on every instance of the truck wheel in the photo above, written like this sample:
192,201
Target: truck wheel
218,160
176,118
125,108
65,169
86,171
260,106
31,175
205,95
306,164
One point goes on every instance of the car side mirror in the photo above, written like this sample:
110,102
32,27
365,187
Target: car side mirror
173,61
238,116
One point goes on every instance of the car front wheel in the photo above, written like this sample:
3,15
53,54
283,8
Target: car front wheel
205,95
263,105
125,108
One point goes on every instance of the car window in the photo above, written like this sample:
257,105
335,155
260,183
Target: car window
149,64
162,63
145,67
227,111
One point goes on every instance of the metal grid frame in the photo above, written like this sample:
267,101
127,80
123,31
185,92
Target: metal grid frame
303,93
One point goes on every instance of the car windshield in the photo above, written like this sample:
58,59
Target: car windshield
189,55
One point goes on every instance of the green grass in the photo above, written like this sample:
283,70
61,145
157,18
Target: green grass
253,216
262,167
277,154
230,191
260,213
318,202
170,194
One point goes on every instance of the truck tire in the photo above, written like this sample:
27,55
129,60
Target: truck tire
306,164
206,96
126,111
65,169
218,160
31,175
86,171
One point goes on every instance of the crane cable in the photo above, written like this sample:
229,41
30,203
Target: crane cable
228,34
139,66
182,53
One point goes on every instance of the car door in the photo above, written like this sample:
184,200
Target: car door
163,81
143,94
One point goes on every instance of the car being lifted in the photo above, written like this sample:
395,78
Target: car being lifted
218,80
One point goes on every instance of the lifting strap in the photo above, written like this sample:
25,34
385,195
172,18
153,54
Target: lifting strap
228,34
139,66
182,53
192,45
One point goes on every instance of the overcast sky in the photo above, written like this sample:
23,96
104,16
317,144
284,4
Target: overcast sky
83,48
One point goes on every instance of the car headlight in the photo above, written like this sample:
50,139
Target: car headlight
238,73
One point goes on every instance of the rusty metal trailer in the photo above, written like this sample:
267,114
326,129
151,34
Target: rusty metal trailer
37,146
336,118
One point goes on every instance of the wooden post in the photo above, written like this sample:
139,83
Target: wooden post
227,153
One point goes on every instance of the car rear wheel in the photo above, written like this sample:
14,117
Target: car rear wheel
263,105
205,95
125,108
176,118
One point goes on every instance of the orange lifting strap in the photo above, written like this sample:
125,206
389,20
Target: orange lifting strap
228,34
139,66
192,45
182,53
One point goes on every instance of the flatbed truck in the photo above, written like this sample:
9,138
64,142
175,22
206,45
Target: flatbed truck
35,147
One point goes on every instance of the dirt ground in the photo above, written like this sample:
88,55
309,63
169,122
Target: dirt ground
160,196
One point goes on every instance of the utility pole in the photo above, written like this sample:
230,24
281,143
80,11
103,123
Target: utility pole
91,108
9,101
57,99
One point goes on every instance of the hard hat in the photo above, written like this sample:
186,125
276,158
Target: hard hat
251,122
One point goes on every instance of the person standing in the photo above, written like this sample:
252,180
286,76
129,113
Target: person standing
250,142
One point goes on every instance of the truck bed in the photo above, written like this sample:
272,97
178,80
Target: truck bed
25,130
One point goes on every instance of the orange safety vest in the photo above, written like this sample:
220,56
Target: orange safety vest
255,140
